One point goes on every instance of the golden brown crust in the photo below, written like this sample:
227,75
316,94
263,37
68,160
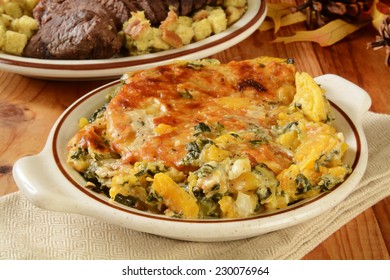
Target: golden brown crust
186,95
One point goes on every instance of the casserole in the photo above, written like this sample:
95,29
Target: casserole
49,182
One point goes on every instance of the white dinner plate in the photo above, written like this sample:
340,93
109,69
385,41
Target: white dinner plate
113,68
48,182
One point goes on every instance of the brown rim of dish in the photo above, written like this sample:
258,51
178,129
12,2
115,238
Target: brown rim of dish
127,63
103,199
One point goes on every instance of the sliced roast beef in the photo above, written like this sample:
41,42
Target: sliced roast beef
154,10
45,9
118,9
157,11
214,2
186,7
88,29
77,34
173,4
198,4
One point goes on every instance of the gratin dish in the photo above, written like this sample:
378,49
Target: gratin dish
48,182
113,68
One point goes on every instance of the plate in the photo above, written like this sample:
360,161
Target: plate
48,182
113,68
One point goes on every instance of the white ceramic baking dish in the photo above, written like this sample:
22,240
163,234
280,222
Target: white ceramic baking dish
48,182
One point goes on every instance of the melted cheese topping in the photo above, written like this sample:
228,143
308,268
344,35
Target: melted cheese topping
201,139
237,96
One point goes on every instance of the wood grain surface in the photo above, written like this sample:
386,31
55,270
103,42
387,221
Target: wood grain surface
29,107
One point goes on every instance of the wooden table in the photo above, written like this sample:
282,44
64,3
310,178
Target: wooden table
29,108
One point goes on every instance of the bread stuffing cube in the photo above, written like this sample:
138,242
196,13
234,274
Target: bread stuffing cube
217,19
14,42
202,29
25,25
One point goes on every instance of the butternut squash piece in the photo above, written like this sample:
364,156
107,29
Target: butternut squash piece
175,198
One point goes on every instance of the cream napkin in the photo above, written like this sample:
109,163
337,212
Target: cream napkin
28,232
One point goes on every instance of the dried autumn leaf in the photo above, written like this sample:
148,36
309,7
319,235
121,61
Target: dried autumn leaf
378,12
266,25
325,36
276,12
285,21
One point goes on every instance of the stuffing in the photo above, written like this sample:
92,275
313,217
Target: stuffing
177,31
14,42
16,25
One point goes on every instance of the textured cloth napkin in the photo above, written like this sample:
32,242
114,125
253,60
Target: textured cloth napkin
28,232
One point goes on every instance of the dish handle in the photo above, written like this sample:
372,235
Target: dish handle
350,97
38,185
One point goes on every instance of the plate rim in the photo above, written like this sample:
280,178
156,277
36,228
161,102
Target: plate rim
132,61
